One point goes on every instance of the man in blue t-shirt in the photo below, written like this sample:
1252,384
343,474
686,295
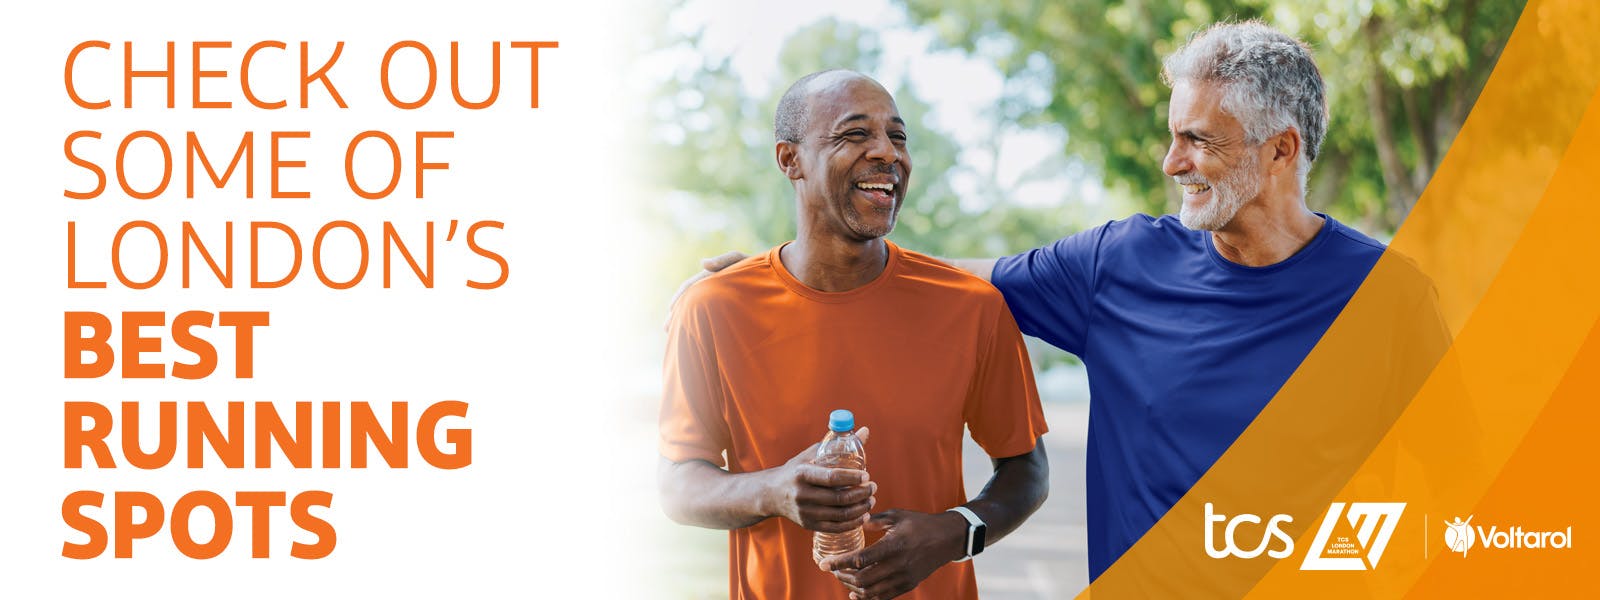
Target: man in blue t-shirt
1189,325
1183,347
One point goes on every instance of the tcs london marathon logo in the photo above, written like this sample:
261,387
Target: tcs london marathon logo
1461,534
1350,538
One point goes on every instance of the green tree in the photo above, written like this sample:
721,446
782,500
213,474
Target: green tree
1402,75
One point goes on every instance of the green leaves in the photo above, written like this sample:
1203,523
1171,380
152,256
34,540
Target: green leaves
1401,75
1422,60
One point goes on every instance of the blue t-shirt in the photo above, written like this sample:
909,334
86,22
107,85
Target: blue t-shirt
1183,348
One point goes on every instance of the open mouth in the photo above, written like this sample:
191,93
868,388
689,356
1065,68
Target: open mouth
880,193
1195,188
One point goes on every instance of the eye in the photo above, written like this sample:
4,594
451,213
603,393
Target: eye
899,137
856,134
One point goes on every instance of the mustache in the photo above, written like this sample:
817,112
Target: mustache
1190,180
881,169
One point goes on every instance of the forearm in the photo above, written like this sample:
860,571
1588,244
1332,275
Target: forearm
698,493
1018,487
981,267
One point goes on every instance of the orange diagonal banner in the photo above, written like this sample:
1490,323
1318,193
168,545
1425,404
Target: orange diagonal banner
1388,431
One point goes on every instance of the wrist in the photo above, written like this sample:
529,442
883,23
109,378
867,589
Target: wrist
767,492
976,532
954,536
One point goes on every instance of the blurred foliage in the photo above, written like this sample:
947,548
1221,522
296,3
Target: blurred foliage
712,154
1401,74
713,151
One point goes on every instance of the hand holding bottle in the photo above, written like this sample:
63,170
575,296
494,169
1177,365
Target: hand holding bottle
819,498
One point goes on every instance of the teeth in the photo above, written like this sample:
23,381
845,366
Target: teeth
887,187
1195,188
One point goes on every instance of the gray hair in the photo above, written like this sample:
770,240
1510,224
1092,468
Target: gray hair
794,109
1268,80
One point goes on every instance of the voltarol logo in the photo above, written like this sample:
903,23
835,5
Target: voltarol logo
1371,522
1460,535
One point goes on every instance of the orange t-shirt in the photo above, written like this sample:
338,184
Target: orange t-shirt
756,361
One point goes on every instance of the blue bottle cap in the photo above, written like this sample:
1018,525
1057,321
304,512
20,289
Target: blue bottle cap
841,421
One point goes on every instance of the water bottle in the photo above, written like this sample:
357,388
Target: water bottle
840,449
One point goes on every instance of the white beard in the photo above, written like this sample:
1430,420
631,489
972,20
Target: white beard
1228,195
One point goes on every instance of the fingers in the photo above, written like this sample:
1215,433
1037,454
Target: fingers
875,582
834,526
883,521
684,287
718,263
863,558
836,498
826,477
834,487
883,590
834,510
831,500
840,563
863,434
837,519
693,279
866,581
882,570
711,266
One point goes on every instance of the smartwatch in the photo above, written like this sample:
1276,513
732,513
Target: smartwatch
976,530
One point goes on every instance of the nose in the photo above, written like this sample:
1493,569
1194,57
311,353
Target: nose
1176,162
882,149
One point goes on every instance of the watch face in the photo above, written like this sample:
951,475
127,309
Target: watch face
977,539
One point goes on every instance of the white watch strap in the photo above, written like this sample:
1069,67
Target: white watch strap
972,517
972,527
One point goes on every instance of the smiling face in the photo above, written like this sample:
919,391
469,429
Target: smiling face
1210,157
851,167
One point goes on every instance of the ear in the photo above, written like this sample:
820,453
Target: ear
1285,151
788,155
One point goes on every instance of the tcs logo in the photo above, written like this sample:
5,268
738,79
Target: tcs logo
1358,547
1273,531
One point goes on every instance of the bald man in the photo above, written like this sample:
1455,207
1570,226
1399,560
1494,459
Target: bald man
760,353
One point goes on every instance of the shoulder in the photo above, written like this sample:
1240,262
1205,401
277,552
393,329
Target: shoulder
1388,265
1348,249
726,289
1140,229
1143,227
1349,236
1077,257
939,277
1140,235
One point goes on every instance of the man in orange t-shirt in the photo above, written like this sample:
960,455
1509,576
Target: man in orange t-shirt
759,354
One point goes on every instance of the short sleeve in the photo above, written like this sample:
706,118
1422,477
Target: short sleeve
691,422
1049,289
1002,408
